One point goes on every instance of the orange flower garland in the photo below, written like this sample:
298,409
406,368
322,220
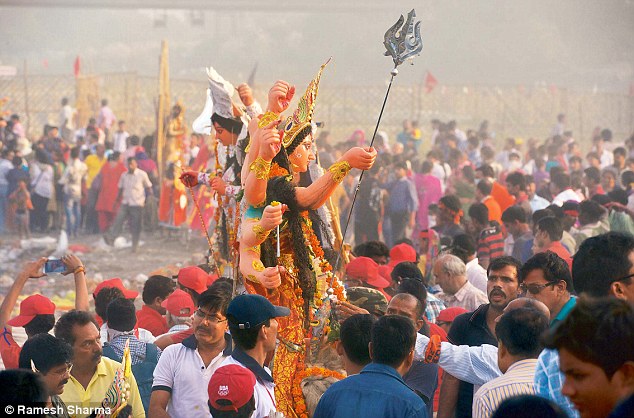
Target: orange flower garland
302,373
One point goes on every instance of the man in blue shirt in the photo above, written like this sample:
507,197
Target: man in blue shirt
379,390
402,203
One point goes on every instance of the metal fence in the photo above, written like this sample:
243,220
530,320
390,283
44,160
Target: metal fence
511,111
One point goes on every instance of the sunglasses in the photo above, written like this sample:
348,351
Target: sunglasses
534,289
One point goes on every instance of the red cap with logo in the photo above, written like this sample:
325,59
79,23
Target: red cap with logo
402,252
115,282
230,387
179,303
194,278
31,306
366,270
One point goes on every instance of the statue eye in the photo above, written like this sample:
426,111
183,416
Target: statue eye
289,125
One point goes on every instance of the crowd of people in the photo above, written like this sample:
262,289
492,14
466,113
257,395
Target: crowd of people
76,180
473,283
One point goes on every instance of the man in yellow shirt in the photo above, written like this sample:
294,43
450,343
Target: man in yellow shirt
94,162
92,374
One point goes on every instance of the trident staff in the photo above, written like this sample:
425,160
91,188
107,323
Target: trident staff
402,41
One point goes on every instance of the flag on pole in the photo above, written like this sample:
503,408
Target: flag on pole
430,82
76,66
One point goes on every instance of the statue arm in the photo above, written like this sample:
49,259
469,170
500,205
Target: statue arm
317,193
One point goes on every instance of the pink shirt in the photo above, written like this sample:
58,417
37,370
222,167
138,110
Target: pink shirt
106,118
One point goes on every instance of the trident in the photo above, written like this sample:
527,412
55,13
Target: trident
402,41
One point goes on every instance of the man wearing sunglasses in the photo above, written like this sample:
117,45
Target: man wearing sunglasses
51,358
546,277
183,372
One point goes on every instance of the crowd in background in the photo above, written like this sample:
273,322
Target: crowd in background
477,269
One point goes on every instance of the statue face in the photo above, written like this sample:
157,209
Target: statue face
224,136
302,155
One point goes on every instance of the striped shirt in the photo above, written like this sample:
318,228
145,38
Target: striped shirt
490,245
518,380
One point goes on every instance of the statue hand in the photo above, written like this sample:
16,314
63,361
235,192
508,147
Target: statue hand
189,178
219,185
269,140
360,158
272,216
280,96
246,94
271,277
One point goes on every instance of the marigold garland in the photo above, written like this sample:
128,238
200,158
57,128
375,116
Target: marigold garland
302,373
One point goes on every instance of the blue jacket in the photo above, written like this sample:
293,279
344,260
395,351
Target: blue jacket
378,391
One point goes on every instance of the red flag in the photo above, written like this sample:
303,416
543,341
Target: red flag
430,82
76,66
45,63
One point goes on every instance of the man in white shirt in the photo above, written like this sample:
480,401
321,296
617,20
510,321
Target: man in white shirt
519,334
253,328
451,274
67,121
121,138
184,370
560,187
72,179
464,247
472,364
133,186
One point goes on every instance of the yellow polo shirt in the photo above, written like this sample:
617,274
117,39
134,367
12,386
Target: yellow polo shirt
91,397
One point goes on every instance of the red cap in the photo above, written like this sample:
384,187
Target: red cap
230,387
194,278
449,314
211,278
385,271
115,282
402,252
179,303
366,270
31,306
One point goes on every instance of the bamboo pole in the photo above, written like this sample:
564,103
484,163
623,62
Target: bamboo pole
163,108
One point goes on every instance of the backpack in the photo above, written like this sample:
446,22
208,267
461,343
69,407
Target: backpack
143,372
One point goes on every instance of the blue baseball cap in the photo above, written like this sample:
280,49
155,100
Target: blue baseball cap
249,311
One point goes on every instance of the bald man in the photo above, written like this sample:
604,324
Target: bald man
478,364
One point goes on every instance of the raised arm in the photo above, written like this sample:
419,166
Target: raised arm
267,140
320,190
31,270
476,365
75,267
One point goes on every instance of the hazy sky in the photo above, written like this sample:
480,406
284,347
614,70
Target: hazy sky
571,43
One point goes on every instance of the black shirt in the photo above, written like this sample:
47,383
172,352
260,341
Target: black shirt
470,329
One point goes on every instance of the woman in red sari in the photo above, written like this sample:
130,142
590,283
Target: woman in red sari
107,205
